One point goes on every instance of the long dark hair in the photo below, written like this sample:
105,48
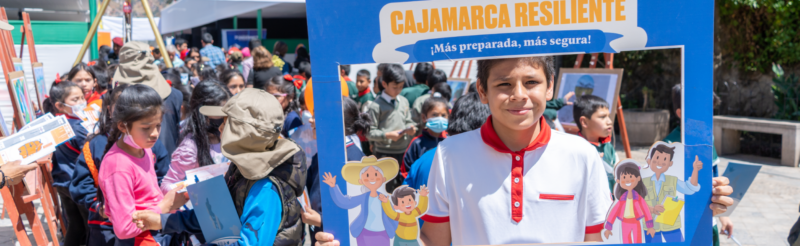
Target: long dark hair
355,121
134,103
629,168
206,93
59,91
105,124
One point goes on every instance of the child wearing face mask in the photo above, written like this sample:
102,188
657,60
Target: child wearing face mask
200,144
434,115
84,185
127,176
66,98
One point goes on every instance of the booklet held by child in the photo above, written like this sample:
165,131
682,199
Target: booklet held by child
35,142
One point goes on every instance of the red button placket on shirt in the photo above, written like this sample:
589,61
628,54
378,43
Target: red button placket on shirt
517,165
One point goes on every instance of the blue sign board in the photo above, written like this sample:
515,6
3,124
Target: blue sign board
241,37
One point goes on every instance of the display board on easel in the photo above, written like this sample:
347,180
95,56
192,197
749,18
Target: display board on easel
604,83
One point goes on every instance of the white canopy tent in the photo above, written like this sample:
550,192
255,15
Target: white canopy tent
186,14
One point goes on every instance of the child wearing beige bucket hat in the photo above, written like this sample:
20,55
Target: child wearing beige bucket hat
268,174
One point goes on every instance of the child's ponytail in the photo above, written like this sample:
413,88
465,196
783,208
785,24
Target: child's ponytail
355,121
59,91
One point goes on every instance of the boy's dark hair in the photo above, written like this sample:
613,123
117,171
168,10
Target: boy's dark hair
207,38
403,191
102,77
305,68
585,106
254,42
394,73
663,149
676,98
421,72
179,41
545,62
382,66
473,87
434,77
346,69
629,168
363,73
58,93
355,121
444,90
156,51
468,114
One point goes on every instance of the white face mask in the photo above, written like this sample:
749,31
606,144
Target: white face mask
77,108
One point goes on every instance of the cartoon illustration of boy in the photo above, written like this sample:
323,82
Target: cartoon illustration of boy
372,226
661,187
403,200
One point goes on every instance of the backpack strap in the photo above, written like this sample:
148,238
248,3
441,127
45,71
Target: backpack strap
87,154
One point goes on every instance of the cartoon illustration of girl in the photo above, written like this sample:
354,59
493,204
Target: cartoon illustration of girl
630,206
372,226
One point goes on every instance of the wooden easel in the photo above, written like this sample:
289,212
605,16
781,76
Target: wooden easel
469,68
609,62
14,202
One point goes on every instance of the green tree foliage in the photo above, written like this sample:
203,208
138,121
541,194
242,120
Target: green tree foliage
787,94
760,32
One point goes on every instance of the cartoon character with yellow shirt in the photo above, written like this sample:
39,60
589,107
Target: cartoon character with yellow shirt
403,199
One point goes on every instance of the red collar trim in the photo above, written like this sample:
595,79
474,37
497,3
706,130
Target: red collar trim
600,141
93,96
491,138
364,92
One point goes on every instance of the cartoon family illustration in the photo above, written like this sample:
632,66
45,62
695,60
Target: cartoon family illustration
379,222
652,200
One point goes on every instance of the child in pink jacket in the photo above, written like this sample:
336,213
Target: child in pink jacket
630,207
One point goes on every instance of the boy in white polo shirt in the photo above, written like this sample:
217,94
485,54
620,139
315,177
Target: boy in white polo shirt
514,181
524,183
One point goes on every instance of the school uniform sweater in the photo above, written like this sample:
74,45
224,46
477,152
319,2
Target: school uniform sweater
389,115
413,92
552,107
83,187
606,147
67,153
419,145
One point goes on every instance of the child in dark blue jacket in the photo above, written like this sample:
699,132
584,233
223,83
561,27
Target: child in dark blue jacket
66,98
83,187
434,115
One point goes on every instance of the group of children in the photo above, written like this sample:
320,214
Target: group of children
115,178
556,187
151,130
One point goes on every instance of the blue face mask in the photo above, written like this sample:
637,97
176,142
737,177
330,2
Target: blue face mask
437,125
